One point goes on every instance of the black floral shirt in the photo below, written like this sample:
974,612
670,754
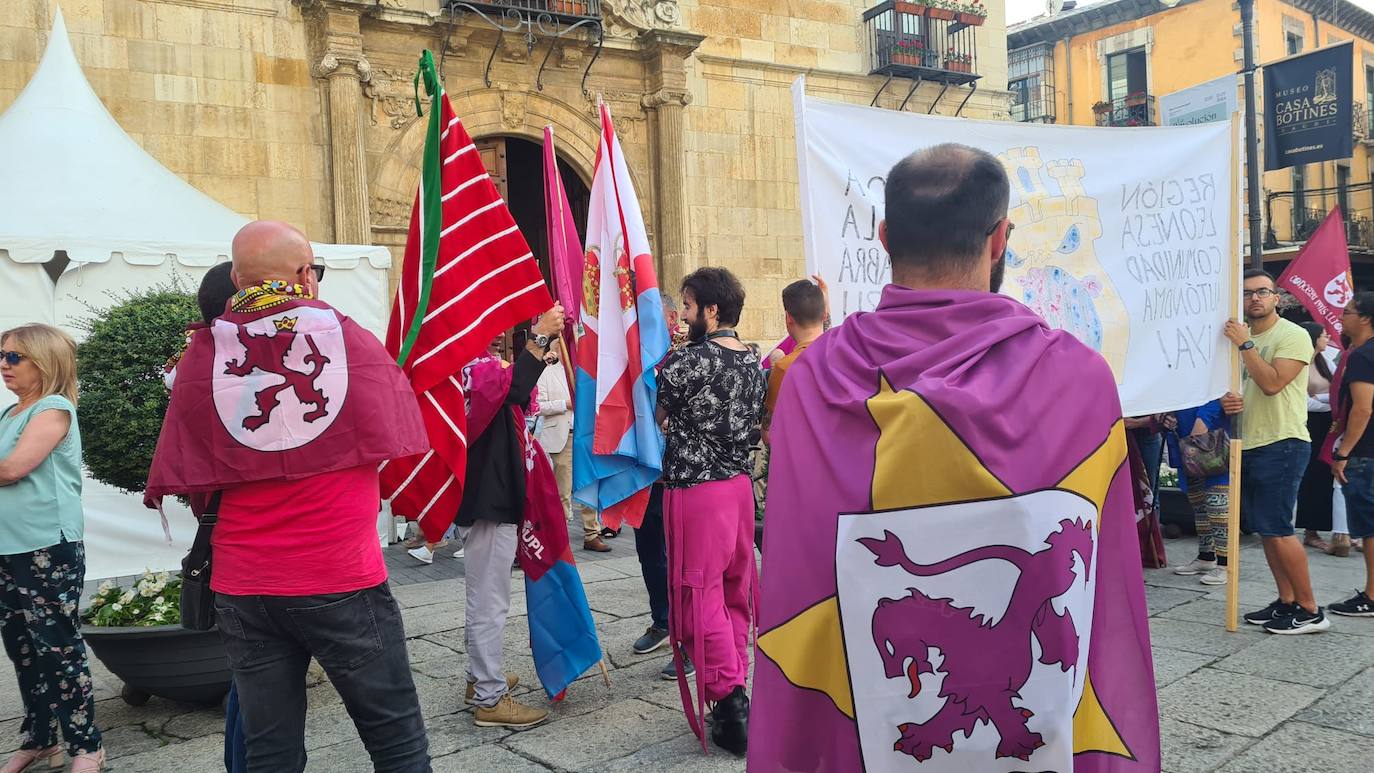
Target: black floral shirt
713,397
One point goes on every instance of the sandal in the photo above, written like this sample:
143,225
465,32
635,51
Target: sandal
33,759
1313,539
1340,545
90,762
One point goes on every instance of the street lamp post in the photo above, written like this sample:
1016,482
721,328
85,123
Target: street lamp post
1252,170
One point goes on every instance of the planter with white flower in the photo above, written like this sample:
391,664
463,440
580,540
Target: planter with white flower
136,632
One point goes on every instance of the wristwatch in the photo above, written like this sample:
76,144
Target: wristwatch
542,341
1246,346
1336,455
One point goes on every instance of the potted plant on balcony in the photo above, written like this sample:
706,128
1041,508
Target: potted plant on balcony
973,14
911,8
941,9
136,632
1136,99
909,51
1102,106
958,62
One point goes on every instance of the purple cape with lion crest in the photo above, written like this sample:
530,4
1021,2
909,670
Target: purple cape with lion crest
950,572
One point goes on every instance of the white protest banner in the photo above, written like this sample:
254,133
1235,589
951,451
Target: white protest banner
1123,237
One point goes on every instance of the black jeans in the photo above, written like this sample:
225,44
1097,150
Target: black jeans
359,641
653,558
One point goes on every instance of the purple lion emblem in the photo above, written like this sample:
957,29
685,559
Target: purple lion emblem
985,665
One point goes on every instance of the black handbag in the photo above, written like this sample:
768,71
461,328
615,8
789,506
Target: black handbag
197,600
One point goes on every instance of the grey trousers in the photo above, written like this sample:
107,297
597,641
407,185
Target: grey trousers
489,553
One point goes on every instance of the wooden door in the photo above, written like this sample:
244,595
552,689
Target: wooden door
493,154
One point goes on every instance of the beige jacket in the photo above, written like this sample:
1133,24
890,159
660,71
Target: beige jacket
555,409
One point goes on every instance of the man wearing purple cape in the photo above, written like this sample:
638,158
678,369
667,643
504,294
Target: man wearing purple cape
950,573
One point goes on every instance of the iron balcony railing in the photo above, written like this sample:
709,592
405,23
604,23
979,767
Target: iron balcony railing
913,40
568,9
1131,110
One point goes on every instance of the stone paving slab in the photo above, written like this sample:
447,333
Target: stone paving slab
1233,703
1244,702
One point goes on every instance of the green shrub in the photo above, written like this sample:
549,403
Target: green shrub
120,369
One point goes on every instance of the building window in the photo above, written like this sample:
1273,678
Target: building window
1343,190
1030,79
1369,100
1293,42
1300,214
1126,74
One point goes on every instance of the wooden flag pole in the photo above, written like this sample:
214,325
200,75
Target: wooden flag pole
1233,486
605,673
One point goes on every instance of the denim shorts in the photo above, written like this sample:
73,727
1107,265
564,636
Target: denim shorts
1359,496
1269,480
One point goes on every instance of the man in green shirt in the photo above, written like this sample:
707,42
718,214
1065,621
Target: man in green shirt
1276,354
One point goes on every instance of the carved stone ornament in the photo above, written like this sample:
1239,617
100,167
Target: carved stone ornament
395,95
628,18
332,61
662,97
513,108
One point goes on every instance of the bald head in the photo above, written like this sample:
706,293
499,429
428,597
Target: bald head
269,249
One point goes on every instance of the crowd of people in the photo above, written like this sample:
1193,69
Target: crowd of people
299,573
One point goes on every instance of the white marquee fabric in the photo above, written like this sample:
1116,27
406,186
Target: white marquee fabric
73,183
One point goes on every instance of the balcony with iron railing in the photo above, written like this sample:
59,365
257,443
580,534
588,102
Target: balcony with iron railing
1136,109
1359,230
555,10
933,40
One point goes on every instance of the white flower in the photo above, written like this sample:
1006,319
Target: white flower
105,587
147,591
127,597
117,606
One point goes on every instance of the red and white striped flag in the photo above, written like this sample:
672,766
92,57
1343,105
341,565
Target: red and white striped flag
468,276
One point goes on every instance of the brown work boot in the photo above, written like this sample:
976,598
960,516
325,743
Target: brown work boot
596,545
470,697
509,713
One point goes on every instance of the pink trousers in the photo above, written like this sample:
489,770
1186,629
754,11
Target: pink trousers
713,584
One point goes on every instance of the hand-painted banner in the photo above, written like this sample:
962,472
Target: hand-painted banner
1123,237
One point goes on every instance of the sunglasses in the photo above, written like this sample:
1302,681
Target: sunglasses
318,268
1010,227
12,358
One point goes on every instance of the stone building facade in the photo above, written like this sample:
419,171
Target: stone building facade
304,110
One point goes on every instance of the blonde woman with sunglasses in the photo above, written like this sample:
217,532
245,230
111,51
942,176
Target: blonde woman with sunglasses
42,558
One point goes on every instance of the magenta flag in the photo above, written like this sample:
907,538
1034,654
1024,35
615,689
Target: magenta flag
951,574
1320,276
565,250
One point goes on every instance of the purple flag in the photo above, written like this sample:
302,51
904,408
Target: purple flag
950,572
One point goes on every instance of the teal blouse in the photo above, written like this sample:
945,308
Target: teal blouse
44,507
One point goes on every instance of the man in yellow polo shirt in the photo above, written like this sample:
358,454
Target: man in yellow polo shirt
1276,354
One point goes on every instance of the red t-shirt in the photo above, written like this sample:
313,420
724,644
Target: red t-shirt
299,538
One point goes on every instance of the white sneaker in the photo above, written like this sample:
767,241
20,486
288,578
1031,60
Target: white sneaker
1196,566
458,553
422,554
1214,576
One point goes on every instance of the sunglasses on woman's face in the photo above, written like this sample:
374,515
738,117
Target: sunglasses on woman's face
11,358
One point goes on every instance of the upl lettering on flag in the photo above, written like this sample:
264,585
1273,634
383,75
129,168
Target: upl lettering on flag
617,444
468,277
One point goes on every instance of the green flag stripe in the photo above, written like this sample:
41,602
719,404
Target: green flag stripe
431,198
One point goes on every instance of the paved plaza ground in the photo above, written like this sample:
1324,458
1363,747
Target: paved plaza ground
1246,702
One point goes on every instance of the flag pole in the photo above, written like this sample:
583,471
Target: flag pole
1233,481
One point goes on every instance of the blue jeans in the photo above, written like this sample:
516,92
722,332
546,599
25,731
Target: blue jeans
653,558
235,750
1359,497
1151,445
1269,480
359,641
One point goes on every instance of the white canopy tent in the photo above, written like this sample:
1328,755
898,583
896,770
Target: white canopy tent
84,213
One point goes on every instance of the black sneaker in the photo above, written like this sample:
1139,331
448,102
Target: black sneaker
608,533
1301,621
1270,613
1360,606
730,723
652,639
